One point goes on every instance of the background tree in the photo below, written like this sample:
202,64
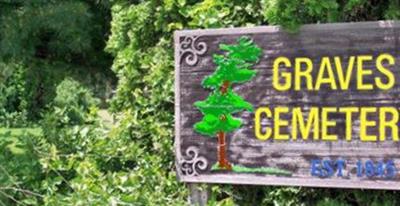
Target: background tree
40,46
233,67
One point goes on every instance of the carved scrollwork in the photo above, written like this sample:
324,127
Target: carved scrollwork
191,49
191,164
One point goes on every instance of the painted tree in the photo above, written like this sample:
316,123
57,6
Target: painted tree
232,67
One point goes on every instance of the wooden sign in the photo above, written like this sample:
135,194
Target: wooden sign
315,108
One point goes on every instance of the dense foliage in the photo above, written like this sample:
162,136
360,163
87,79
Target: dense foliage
55,59
42,42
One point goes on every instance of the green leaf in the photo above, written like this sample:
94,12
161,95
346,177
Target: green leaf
218,104
242,75
213,81
231,124
234,66
15,147
208,126
245,50
211,124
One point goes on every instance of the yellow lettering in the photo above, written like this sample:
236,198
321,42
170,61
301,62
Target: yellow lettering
362,72
285,75
390,77
365,123
306,74
348,112
326,123
279,123
305,129
326,67
344,81
268,131
392,123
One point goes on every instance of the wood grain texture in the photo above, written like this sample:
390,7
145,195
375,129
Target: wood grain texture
313,41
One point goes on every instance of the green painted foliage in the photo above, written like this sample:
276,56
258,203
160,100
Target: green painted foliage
232,67
211,124
235,66
245,51
217,104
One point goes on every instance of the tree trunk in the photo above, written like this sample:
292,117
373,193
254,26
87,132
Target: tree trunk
222,160
224,87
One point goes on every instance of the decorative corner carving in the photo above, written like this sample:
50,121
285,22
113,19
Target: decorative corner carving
191,49
191,164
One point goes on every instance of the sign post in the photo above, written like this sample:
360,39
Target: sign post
199,194
261,106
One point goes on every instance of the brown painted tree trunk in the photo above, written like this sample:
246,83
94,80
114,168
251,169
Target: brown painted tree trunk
222,160
224,87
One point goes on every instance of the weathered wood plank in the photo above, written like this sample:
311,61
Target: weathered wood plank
314,42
